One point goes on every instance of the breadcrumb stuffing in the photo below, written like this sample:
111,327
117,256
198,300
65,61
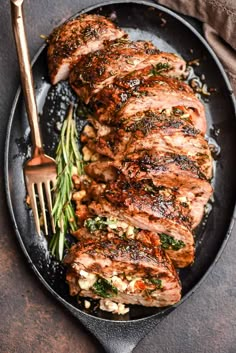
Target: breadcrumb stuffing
115,308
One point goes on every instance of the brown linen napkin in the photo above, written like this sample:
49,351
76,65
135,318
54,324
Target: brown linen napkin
219,18
224,51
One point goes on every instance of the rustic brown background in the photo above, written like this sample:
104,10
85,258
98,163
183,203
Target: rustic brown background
30,319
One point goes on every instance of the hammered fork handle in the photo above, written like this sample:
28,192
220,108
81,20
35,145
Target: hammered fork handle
25,72
40,171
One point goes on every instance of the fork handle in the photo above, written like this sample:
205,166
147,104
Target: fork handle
25,72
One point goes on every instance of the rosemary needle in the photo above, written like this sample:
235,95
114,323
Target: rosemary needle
67,157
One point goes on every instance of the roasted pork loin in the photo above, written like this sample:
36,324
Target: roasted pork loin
99,69
123,270
148,165
75,38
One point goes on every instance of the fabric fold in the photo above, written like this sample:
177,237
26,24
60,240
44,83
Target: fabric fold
219,26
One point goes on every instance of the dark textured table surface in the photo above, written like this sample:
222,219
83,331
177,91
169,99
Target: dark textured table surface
30,319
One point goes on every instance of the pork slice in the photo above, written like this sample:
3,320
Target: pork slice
159,133
195,148
164,169
181,257
146,209
135,93
174,171
75,38
99,69
143,196
127,271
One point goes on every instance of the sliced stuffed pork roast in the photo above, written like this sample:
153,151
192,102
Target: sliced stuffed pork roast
148,163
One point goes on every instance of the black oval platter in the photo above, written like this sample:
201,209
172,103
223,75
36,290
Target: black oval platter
171,33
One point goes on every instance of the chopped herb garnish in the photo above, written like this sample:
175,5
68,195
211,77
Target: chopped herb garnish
145,125
88,32
104,288
170,243
67,157
159,68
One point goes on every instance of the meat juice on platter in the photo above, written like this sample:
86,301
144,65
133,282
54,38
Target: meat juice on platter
148,165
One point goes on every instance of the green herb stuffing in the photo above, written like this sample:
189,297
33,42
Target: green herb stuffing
99,223
157,282
104,288
159,68
67,157
170,243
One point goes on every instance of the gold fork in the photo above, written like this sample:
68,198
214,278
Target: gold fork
40,171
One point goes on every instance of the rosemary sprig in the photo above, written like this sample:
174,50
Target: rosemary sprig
67,157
